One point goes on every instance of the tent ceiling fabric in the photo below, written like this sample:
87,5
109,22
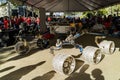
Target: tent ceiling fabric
71,5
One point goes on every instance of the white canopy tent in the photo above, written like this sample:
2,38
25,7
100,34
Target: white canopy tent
70,5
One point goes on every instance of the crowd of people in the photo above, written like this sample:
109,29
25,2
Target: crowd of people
108,25
15,26
103,24
15,22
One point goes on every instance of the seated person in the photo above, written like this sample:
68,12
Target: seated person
98,28
72,28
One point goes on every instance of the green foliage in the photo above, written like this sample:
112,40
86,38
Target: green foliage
105,11
3,4
87,14
102,12
15,2
96,12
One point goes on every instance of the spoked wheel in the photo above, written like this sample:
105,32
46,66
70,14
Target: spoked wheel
108,47
64,64
92,54
21,49
42,43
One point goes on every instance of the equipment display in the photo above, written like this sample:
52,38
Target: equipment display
23,47
70,40
90,54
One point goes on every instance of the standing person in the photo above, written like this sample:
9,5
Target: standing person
28,20
38,22
20,20
79,26
6,23
72,27
16,22
12,22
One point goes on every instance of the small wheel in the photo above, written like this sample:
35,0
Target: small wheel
42,43
21,49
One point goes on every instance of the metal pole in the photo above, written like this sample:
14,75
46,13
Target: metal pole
9,14
8,9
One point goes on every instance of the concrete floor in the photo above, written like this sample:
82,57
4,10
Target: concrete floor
37,65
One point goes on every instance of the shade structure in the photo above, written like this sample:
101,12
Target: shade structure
70,5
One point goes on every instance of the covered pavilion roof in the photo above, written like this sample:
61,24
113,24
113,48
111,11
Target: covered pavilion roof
70,5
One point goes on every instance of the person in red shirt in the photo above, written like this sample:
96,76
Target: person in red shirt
108,22
12,22
49,19
37,21
6,23
28,21
20,20
16,22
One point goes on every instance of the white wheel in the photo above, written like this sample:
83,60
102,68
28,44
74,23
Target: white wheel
64,64
21,49
92,54
107,47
